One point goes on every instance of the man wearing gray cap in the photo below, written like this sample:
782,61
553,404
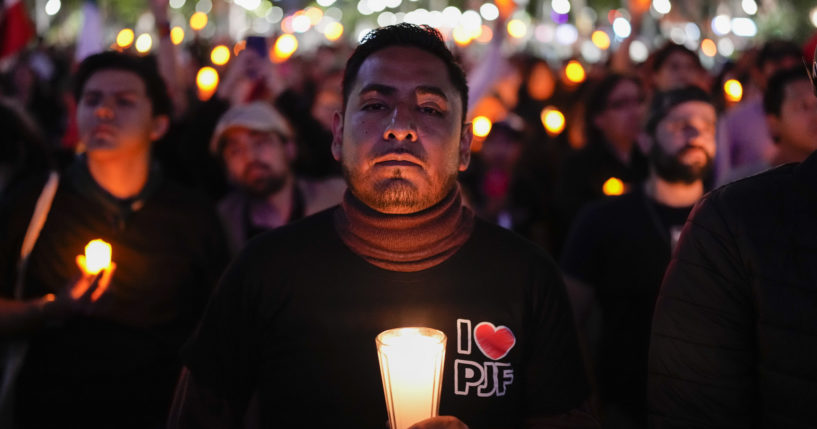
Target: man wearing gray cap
258,149
734,337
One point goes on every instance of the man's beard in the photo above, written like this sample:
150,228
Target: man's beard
396,194
264,186
670,168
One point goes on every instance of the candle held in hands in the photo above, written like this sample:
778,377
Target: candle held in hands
97,256
411,366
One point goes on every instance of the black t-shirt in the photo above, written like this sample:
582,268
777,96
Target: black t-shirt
621,247
584,174
296,316
120,361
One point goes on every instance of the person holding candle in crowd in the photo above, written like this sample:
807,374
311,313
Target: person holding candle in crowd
618,249
294,319
104,352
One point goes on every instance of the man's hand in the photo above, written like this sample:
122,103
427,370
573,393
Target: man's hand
78,297
441,422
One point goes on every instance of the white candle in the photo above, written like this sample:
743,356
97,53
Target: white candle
411,365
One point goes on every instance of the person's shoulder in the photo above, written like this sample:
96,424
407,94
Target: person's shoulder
490,237
757,189
301,237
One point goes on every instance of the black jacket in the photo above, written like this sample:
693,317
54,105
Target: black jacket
734,337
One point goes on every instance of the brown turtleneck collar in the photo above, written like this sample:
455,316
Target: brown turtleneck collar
405,242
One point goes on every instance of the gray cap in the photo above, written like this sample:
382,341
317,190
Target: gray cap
256,116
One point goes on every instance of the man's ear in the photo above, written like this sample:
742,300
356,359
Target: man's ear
337,135
159,127
466,137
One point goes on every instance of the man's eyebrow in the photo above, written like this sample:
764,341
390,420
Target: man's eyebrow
127,91
379,88
431,90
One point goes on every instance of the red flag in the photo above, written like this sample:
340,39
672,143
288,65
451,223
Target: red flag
16,28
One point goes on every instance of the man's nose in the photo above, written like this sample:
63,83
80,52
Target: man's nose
104,110
401,126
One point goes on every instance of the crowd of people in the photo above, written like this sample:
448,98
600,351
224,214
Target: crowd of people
348,190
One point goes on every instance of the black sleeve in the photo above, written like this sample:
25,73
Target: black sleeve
582,250
701,363
555,380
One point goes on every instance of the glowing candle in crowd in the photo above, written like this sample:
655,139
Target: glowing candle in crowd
411,366
220,55
143,43
574,72
333,31
97,256
177,35
553,120
613,186
733,90
125,38
207,82
198,21
482,126
284,47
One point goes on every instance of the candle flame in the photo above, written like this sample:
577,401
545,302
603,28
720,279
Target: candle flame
97,256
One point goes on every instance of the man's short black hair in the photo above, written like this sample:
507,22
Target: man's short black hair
776,88
776,50
662,55
664,102
144,67
416,36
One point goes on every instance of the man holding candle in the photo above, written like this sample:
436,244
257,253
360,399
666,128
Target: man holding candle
295,318
103,353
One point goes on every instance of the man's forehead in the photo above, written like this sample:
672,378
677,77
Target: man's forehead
693,108
115,80
404,68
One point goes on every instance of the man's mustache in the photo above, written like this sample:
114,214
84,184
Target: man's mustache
414,150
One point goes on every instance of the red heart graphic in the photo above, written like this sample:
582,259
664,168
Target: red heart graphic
494,342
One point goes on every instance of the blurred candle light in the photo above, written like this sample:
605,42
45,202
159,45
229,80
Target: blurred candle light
143,43
177,35
600,39
517,29
613,186
733,90
485,35
333,31
461,36
284,47
125,38
481,126
220,55
574,72
97,256
198,21
207,82
553,120
709,48
411,367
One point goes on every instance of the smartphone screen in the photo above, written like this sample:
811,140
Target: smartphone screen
257,44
